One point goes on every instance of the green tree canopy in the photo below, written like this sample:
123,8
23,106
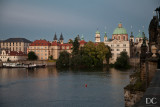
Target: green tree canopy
102,50
108,56
63,60
122,61
32,56
75,49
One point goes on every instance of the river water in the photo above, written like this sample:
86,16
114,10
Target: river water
49,87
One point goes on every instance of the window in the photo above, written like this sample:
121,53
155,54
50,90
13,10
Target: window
41,50
41,57
124,45
42,54
34,47
67,47
63,47
45,57
112,45
117,49
37,50
45,54
117,45
19,43
45,50
124,49
10,44
112,54
45,47
41,47
112,49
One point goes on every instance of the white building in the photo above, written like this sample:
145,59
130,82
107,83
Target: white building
7,55
118,43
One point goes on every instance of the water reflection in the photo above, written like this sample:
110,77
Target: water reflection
51,87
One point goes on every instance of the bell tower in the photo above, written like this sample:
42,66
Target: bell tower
105,37
97,37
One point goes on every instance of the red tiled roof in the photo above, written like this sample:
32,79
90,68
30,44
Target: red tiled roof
55,44
40,43
82,42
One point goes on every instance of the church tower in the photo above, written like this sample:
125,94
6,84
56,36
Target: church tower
61,39
97,37
55,38
132,38
105,37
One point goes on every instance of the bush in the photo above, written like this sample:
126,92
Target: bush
63,60
32,56
122,62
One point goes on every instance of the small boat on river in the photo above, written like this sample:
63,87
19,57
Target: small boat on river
17,65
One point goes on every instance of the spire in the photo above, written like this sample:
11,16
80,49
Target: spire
78,37
144,39
82,38
55,37
61,37
131,34
105,34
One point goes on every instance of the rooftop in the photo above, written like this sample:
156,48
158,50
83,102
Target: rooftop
17,40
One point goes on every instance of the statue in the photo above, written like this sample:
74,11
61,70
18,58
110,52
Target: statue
153,30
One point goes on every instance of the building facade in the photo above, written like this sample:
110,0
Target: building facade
136,43
118,43
45,49
15,44
7,55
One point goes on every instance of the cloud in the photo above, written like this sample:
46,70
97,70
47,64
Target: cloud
22,15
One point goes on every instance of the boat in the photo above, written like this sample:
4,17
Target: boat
17,65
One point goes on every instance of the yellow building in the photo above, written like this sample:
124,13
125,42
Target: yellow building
15,44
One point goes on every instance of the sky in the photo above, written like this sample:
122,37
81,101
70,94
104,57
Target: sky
41,19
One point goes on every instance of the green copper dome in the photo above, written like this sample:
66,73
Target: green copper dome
97,32
139,35
119,30
105,34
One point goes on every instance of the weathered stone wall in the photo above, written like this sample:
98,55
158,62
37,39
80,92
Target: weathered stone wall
134,61
131,97
148,70
0,64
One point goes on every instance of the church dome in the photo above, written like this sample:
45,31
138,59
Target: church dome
97,32
119,30
139,35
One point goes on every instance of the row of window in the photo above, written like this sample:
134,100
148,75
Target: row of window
112,45
39,47
41,54
118,49
39,50
6,57
13,43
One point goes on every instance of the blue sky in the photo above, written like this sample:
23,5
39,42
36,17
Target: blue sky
40,19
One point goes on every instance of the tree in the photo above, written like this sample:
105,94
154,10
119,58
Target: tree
90,51
32,56
75,49
63,60
50,57
102,50
108,56
122,61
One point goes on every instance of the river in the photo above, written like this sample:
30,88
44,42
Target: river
49,87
